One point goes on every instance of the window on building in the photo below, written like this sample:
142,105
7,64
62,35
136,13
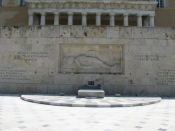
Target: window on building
1,2
160,3
22,3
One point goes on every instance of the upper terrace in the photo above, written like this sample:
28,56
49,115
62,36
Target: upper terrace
140,11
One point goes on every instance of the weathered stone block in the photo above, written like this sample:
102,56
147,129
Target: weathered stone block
41,88
156,49
69,79
134,81
42,71
17,31
146,64
53,71
146,49
171,43
51,50
162,42
50,31
126,41
159,33
169,50
26,47
75,89
6,31
16,88
148,81
76,31
91,41
172,90
134,49
47,79
129,56
137,32
67,89
164,91
113,32
125,32
132,64
29,31
53,89
139,73
37,48
29,88
92,31
5,88
151,72
169,33
142,90
107,90
65,31
35,79
148,32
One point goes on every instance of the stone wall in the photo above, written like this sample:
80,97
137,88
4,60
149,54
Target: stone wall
53,59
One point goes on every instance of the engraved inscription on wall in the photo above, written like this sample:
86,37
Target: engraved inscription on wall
149,57
166,77
81,58
11,74
31,56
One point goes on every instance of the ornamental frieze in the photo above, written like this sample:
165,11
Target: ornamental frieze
91,4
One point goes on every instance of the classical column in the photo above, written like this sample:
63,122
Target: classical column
112,19
125,21
56,18
139,20
151,18
84,18
43,18
98,18
70,18
30,22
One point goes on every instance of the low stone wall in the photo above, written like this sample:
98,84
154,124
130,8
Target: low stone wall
53,59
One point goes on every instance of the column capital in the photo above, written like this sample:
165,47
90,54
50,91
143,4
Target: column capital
151,15
98,13
125,14
111,14
43,13
139,15
83,13
31,13
70,13
56,13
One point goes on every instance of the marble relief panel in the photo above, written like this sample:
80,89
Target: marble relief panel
93,58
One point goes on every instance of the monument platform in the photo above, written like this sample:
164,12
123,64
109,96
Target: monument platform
107,101
91,91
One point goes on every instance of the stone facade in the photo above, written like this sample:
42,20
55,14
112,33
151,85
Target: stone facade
53,59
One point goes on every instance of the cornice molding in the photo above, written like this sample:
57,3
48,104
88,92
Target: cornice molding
91,4
102,1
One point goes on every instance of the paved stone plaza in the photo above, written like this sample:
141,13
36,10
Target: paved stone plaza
19,115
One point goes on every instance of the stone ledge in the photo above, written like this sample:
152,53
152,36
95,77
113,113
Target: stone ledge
82,102
91,93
